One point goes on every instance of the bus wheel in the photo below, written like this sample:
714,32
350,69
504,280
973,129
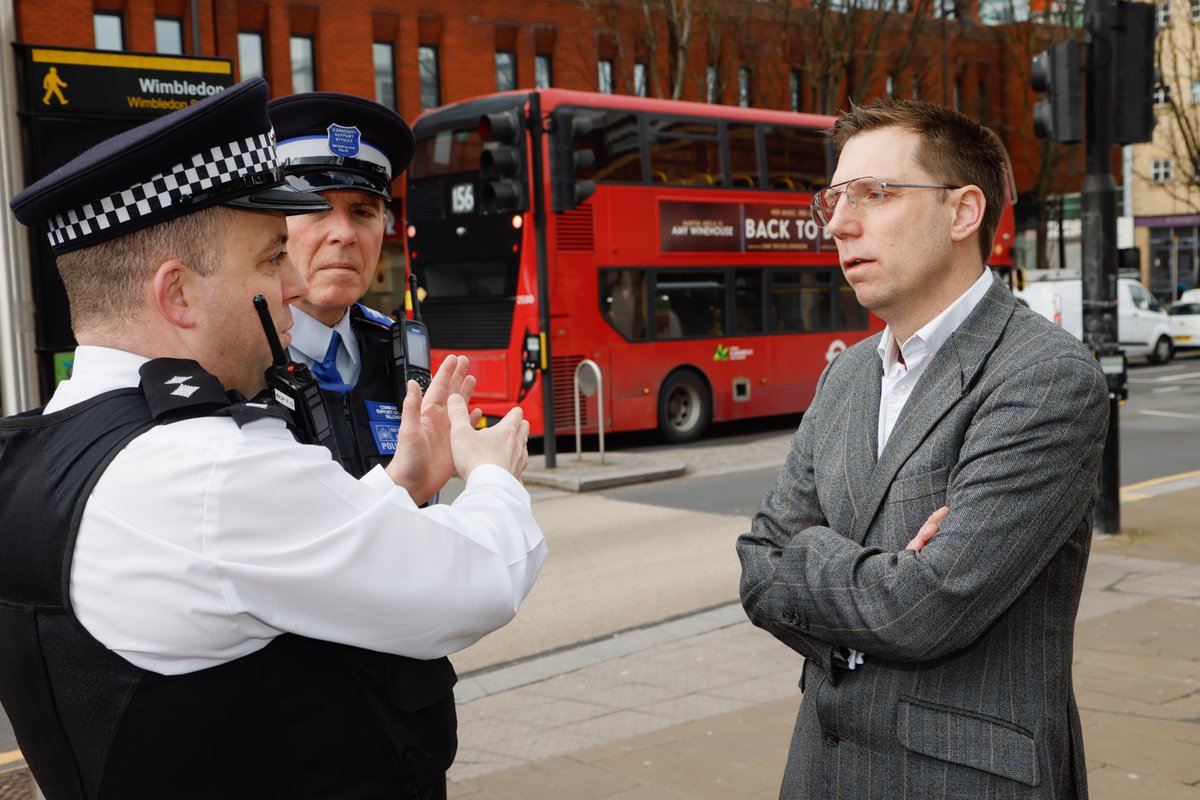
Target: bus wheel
684,407
1161,353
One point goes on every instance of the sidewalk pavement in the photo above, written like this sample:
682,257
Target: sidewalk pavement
702,706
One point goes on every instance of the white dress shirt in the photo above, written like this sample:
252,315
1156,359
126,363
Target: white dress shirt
310,342
900,376
203,541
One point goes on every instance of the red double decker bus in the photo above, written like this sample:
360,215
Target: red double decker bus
675,250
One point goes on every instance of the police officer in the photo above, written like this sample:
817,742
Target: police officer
349,150
186,592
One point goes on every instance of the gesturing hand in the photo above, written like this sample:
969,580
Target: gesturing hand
928,529
504,444
423,461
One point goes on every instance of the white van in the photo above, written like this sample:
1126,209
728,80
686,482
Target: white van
1143,328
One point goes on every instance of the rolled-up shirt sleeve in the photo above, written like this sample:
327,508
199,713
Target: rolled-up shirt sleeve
202,542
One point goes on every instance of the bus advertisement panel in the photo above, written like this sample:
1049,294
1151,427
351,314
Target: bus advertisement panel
680,256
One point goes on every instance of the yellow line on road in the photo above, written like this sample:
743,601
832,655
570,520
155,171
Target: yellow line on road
1183,476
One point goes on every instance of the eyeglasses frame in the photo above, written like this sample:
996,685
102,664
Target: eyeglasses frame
819,214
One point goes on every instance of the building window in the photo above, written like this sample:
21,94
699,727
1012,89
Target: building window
958,94
1164,13
710,83
794,90
1162,170
506,70
431,79
109,29
168,36
605,76
543,71
891,84
1162,94
1196,90
1195,6
745,87
639,78
304,76
916,92
250,54
383,54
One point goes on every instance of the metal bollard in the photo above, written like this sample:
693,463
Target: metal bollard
592,383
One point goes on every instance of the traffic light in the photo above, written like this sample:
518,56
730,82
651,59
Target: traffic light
1133,72
567,186
500,163
1056,71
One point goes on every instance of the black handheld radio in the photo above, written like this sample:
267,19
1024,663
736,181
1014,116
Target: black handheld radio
410,348
294,387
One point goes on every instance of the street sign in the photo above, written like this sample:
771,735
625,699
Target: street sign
63,81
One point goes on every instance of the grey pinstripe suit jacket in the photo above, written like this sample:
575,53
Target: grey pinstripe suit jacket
966,689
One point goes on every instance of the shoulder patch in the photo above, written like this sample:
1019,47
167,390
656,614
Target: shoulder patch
375,316
177,388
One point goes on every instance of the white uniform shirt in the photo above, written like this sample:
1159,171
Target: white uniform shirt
310,342
899,377
203,541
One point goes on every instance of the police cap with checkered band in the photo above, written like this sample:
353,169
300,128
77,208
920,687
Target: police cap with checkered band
220,151
330,141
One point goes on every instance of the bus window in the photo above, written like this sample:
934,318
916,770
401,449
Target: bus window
851,315
801,301
748,301
446,153
623,301
615,141
743,155
480,280
795,158
686,153
689,304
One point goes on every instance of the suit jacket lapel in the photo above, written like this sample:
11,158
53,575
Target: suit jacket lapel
950,375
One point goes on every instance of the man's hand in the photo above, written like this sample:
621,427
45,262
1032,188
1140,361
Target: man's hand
928,529
503,444
423,462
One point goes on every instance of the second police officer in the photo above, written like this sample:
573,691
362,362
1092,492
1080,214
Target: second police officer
349,150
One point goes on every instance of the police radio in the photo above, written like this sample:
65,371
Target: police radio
294,387
410,348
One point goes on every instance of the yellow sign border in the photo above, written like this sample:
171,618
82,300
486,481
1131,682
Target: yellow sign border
126,61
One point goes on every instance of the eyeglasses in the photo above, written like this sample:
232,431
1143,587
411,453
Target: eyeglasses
870,191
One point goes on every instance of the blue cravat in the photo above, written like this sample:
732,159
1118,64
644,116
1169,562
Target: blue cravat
326,372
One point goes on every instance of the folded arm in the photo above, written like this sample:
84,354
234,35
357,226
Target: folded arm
1023,480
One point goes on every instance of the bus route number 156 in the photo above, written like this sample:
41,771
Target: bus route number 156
462,199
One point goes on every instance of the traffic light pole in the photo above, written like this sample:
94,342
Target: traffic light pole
1099,213
536,133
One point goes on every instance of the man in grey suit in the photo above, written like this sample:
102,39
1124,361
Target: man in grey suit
937,666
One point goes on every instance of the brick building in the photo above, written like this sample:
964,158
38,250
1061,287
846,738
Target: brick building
775,54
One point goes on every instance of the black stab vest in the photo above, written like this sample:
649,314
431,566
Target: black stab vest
299,719
349,414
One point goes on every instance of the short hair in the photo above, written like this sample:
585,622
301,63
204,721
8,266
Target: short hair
952,148
105,282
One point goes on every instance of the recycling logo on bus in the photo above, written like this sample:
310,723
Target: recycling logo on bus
734,353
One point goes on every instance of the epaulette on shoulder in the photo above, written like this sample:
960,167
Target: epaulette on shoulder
377,317
177,388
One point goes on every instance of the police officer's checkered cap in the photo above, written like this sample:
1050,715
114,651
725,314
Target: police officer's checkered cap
219,151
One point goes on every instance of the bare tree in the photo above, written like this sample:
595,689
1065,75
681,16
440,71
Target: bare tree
662,24
845,48
1177,134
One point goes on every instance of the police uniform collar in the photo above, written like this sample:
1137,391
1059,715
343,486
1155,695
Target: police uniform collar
310,336
176,388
